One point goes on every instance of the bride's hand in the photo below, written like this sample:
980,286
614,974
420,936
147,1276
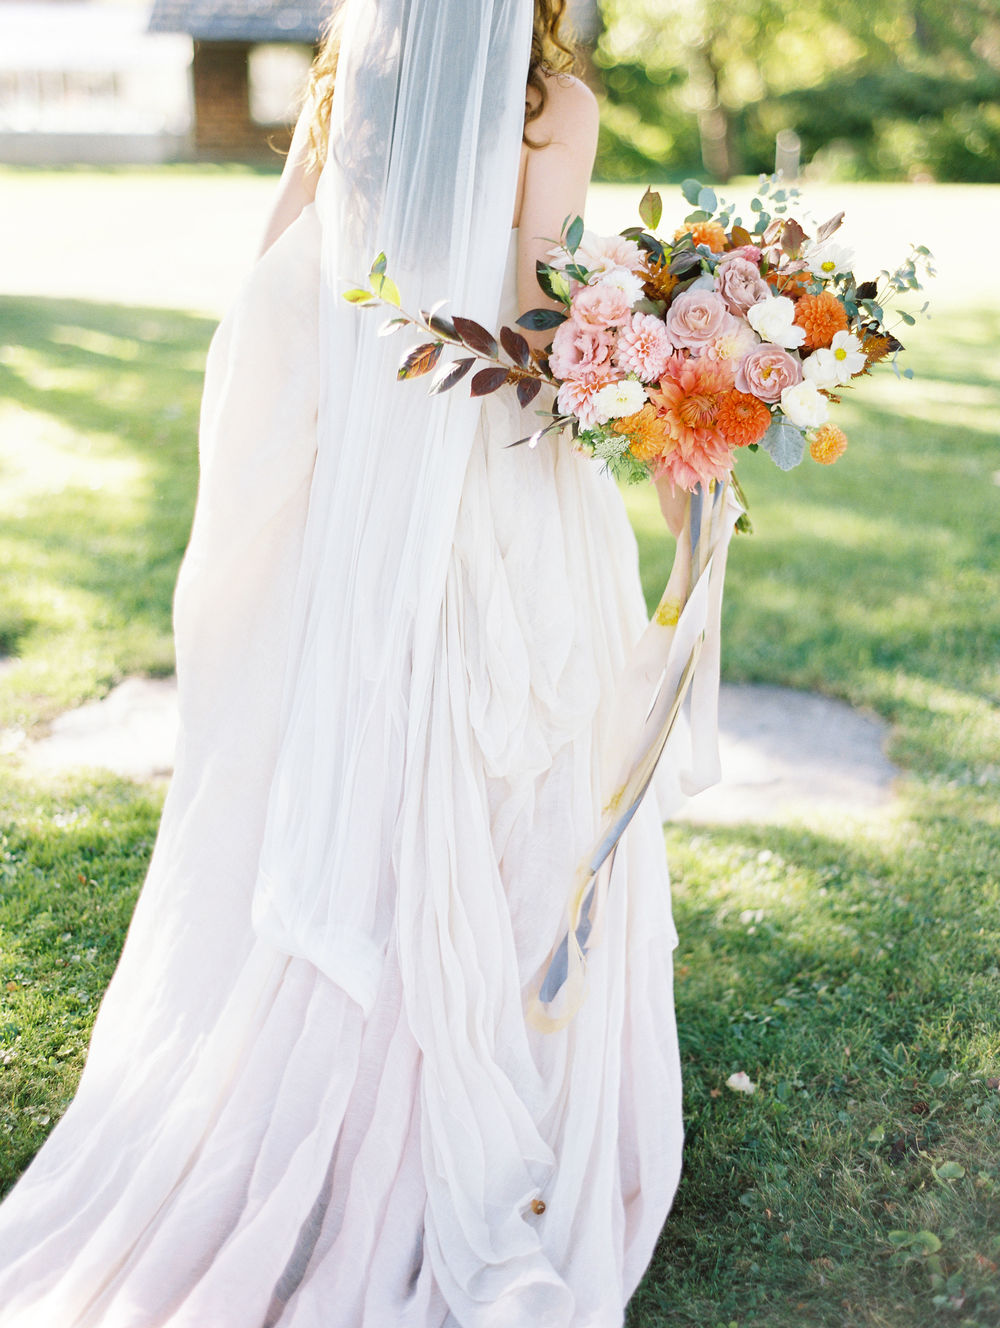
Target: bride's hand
673,504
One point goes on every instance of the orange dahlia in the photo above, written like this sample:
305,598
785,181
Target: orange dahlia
822,316
743,418
827,443
645,432
705,232
688,401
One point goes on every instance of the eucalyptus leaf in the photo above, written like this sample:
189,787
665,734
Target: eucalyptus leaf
691,189
784,443
707,200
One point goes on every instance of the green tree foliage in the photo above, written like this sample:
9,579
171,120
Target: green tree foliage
894,89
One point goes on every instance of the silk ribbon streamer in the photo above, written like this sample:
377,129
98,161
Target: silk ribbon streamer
677,655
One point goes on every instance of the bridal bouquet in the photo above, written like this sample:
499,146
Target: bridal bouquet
669,358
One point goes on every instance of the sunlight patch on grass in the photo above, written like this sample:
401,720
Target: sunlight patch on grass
40,455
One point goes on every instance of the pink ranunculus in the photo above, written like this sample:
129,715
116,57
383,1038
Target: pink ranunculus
697,318
599,308
577,350
766,371
577,396
740,284
644,347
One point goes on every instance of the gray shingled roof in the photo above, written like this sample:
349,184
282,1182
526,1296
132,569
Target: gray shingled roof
241,20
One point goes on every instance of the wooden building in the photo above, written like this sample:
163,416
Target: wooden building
224,33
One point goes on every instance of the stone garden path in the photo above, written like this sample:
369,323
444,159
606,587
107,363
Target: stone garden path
786,755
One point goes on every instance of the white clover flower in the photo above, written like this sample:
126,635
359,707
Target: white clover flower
828,260
774,320
740,1082
804,405
622,279
617,400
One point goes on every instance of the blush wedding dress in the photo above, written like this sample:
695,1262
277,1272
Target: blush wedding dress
343,1119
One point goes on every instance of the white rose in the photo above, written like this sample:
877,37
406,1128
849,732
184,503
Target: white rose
774,320
804,405
617,400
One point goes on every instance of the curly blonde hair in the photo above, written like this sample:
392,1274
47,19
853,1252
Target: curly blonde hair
552,52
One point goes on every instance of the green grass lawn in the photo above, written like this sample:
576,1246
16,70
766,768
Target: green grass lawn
851,971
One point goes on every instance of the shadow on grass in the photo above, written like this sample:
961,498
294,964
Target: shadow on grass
100,462
854,980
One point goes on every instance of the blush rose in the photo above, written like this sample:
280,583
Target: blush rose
766,371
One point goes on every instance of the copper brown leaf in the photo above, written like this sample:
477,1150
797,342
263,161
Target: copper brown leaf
450,374
828,228
488,380
527,390
515,346
476,337
792,237
420,360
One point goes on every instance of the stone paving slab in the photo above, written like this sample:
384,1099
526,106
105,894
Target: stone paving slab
790,756
786,755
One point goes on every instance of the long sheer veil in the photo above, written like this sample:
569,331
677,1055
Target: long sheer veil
424,146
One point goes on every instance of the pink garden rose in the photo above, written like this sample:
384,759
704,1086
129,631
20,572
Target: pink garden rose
600,307
644,347
577,350
697,319
740,284
766,371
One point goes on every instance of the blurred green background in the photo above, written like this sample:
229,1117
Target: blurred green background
890,90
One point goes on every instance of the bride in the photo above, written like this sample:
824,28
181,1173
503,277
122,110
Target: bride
313,1097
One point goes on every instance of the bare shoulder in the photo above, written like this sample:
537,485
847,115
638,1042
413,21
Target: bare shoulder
570,114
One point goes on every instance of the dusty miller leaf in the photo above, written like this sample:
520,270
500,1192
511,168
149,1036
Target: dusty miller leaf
784,443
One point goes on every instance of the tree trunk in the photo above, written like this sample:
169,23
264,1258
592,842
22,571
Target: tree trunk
715,121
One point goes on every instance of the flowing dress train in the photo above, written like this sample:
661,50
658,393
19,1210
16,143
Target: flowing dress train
248,1148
